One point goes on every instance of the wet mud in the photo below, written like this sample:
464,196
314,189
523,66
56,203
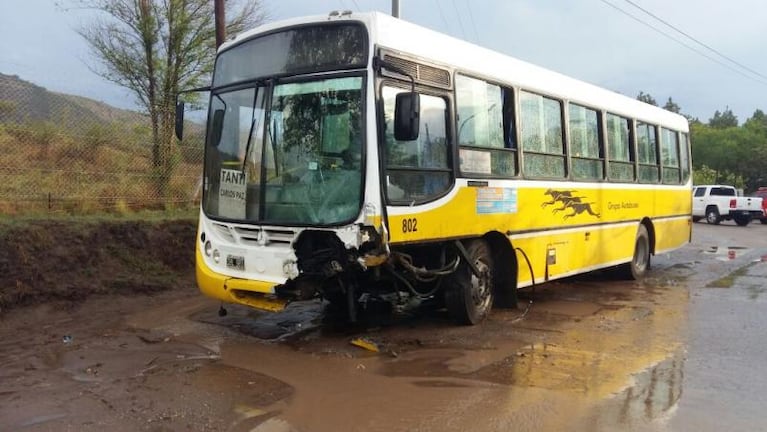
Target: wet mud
591,353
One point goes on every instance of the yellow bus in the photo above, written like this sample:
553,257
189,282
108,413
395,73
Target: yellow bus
359,157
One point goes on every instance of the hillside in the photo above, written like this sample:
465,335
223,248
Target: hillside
73,155
22,102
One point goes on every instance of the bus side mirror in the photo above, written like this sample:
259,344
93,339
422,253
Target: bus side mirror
407,112
217,125
180,120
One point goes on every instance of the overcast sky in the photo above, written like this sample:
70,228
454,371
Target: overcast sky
586,39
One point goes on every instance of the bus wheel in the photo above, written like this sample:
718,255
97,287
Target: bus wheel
469,297
640,263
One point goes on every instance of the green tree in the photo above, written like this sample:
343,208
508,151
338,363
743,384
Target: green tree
757,122
723,119
736,155
754,168
672,106
704,175
646,98
155,48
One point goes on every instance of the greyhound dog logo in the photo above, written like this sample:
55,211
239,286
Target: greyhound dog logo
569,201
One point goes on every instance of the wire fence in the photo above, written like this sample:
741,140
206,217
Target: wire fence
67,154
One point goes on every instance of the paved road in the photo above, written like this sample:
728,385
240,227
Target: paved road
682,350
725,374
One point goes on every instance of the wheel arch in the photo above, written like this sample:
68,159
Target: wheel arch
506,269
650,233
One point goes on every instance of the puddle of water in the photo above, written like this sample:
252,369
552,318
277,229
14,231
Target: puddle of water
727,253
445,365
754,291
653,394
246,387
569,308
38,420
439,384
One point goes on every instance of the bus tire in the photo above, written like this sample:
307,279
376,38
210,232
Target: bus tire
640,262
712,216
469,298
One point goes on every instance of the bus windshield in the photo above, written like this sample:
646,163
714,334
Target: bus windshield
286,154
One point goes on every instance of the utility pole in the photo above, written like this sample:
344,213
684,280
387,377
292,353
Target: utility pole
395,8
218,11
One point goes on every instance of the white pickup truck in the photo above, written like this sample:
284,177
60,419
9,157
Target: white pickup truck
718,202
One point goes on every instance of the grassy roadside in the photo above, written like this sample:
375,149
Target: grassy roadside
728,280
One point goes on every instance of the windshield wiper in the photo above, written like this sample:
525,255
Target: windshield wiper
273,144
252,127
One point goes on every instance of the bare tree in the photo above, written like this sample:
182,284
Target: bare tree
155,48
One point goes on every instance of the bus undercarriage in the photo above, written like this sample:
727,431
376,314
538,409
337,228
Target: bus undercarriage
457,275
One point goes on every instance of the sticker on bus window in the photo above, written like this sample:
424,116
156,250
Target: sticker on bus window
231,194
475,161
496,200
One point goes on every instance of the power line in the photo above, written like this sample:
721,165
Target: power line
473,26
694,39
458,15
738,71
356,5
442,14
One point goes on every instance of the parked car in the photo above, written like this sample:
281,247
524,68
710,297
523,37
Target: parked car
762,193
716,203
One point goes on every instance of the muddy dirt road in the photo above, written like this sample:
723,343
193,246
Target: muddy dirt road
682,350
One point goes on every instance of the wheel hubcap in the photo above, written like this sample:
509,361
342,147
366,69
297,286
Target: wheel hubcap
480,289
641,255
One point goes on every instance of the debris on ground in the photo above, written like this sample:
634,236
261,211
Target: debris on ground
365,343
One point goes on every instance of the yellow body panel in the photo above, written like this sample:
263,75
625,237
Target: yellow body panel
537,210
561,231
253,293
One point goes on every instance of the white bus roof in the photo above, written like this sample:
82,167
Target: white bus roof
399,35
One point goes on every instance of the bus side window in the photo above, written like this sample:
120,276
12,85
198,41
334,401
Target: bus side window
540,123
586,144
619,151
684,158
647,143
669,152
485,124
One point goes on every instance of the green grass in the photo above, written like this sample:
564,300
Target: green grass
729,280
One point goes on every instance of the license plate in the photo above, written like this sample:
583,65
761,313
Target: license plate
235,262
